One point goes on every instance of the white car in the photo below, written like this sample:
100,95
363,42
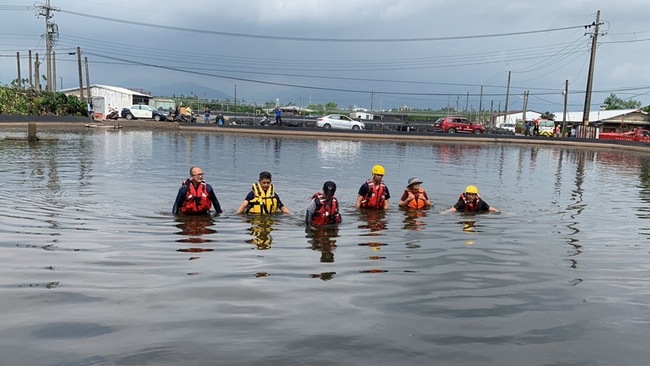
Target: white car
509,126
340,122
142,111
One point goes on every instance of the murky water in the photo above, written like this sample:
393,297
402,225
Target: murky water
95,269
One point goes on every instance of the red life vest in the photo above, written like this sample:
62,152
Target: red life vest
196,199
375,197
418,202
471,206
327,212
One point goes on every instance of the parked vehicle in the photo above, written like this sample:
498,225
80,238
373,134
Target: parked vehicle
144,112
340,122
113,113
509,127
454,124
638,134
546,128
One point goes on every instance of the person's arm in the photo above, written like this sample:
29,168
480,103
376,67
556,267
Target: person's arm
459,206
363,190
180,197
281,205
309,213
242,208
427,202
406,198
214,200
487,207
387,195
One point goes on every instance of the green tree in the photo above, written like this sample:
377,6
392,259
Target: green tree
614,102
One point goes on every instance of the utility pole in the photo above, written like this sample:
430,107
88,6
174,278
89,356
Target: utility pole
20,82
81,79
467,102
592,61
37,79
87,79
53,71
372,97
505,111
523,113
566,96
51,32
31,82
480,105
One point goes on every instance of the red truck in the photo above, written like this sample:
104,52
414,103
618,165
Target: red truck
638,134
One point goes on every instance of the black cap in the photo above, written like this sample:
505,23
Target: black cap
329,188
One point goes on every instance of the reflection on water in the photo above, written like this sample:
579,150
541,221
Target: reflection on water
90,250
260,229
413,219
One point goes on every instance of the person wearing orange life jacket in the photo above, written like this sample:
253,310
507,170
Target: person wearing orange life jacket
195,197
470,201
324,207
414,196
373,193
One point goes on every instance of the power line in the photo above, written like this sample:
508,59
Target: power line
314,39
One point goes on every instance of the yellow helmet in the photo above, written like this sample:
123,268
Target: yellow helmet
471,189
378,170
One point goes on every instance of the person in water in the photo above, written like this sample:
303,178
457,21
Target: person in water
323,208
414,196
470,201
373,193
262,199
195,197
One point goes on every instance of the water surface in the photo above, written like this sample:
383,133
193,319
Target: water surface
96,270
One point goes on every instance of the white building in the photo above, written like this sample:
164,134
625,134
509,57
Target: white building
362,115
515,117
105,96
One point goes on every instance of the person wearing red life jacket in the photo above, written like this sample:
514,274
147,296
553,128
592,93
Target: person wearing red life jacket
470,201
195,197
414,196
373,194
323,208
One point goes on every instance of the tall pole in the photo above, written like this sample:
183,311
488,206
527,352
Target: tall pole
37,78
20,81
590,77
31,81
523,113
566,96
87,78
81,79
480,105
53,71
235,102
505,110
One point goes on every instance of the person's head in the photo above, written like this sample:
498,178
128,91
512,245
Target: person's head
471,192
265,180
414,184
378,172
329,188
196,175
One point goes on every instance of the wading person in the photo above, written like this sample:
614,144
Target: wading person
373,193
414,196
195,197
470,201
262,199
323,208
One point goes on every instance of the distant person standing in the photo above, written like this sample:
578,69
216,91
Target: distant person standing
206,114
278,116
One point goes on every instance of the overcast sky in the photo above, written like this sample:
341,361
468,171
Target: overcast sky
418,53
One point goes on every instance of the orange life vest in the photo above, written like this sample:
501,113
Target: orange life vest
376,195
418,202
196,199
327,212
471,206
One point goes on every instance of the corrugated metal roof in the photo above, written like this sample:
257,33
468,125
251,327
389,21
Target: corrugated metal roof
596,115
116,89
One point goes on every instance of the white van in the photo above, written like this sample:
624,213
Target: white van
546,128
